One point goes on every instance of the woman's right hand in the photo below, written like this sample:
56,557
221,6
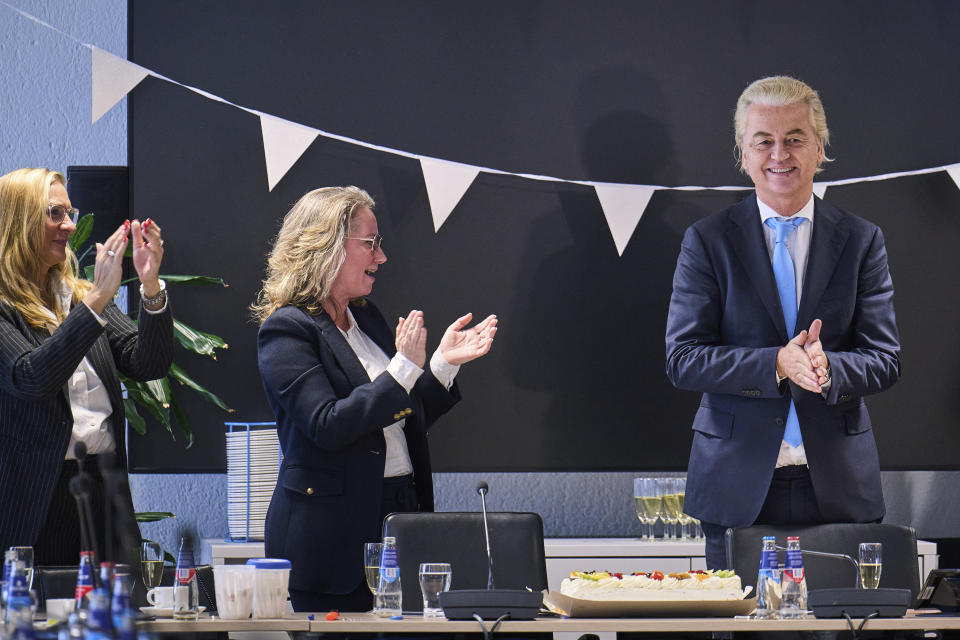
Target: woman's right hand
411,338
108,269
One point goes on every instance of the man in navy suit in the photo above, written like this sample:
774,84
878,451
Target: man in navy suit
782,434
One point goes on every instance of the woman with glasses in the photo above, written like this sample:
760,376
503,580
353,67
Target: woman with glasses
353,397
62,343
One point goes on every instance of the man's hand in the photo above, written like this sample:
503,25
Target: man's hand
814,350
793,362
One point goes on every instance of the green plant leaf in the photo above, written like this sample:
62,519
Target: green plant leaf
152,516
143,396
161,391
181,376
137,423
203,281
88,272
197,341
78,237
181,419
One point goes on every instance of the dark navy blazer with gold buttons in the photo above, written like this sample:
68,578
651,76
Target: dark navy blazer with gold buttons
330,420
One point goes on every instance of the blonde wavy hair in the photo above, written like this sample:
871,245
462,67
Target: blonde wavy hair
309,250
779,91
24,198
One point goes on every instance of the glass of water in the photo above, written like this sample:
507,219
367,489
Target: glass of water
871,562
434,579
25,555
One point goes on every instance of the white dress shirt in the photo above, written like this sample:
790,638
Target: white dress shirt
375,362
798,244
89,401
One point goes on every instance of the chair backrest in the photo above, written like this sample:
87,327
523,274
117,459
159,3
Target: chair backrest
900,569
516,544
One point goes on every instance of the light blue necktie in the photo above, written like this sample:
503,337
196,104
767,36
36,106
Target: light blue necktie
787,285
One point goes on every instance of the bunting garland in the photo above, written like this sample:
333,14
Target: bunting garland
284,142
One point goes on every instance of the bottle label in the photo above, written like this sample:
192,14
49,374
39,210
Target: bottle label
794,559
389,567
768,560
794,575
18,586
81,591
186,575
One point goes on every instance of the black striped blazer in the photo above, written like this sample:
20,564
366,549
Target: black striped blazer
35,415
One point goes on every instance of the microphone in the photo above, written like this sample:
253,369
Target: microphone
482,489
462,604
81,486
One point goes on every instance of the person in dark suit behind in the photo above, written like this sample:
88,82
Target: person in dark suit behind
352,400
62,343
784,332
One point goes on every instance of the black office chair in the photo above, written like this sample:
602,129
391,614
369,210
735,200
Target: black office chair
900,568
516,544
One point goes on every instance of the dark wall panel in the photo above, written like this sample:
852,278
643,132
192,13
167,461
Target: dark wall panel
636,92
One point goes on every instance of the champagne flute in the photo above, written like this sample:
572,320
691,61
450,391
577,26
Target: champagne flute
685,520
871,563
151,563
25,555
648,504
671,507
371,565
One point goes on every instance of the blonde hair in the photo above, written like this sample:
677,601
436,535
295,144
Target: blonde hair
309,250
779,91
24,198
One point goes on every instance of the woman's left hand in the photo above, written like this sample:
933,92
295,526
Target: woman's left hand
460,345
147,254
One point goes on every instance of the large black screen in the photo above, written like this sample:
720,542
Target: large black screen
632,92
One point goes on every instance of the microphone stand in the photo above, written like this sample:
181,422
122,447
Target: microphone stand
837,556
80,486
482,489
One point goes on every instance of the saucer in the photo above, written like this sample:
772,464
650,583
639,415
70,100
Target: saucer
163,612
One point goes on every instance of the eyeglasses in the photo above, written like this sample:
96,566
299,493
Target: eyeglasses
374,242
58,212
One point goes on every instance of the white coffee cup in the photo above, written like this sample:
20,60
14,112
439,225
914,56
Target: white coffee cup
60,608
161,597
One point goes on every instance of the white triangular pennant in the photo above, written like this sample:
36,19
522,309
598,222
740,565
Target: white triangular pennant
283,144
820,188
623,205
113,78
446,183
954,172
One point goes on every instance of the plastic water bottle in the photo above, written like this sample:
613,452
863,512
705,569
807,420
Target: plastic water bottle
793,583
768,580
9,558
389,597
18,596
185,598
98,623
84,580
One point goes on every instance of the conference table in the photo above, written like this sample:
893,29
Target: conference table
368,623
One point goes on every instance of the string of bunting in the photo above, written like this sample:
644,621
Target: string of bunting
284,142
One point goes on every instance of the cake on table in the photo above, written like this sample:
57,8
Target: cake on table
691,585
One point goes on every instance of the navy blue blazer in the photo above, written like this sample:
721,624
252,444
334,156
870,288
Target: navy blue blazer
35,415
724,329
330,421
